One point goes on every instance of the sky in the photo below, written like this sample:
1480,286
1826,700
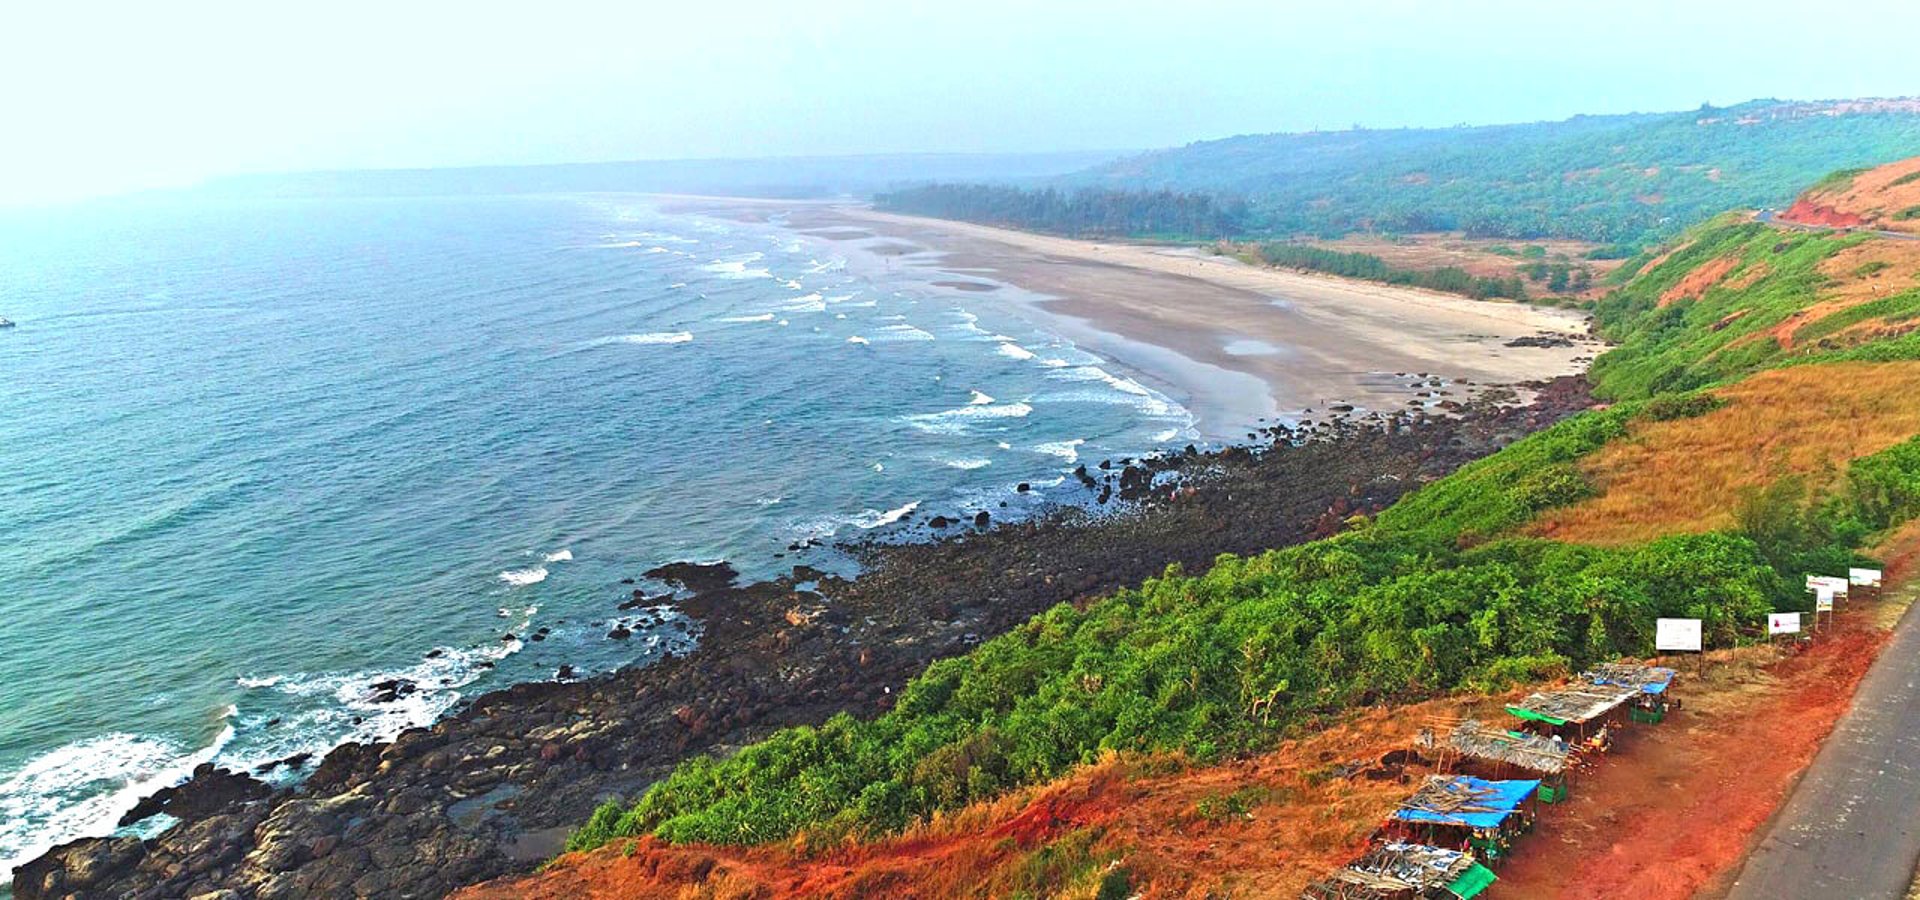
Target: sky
99,97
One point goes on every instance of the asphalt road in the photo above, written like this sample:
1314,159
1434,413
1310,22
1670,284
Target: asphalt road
1769,217
1852,827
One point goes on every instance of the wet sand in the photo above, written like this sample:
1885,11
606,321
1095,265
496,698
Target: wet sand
1234,343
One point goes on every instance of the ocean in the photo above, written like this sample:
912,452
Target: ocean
260,456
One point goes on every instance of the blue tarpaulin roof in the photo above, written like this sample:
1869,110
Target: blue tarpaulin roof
1650,679
1492,803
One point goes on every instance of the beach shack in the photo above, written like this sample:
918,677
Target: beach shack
1580,715
1466,813
1399,871
1497,753
1653,682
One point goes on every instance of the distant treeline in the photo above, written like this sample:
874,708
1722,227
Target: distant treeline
1082,213
1627,179
1373,268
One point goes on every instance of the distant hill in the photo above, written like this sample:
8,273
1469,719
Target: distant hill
1615,178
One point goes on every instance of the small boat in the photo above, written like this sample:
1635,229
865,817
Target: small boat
6,323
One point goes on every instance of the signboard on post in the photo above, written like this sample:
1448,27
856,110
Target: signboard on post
1837,585
1823,599
1783,623
1864,577
1676,634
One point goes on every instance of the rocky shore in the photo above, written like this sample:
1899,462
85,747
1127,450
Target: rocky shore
494,788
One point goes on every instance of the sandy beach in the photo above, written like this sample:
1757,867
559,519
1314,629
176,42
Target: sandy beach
1235,343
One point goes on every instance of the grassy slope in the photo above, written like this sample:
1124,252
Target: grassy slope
1671,341
1433,596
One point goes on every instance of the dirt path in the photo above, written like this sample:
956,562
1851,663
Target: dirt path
1850,829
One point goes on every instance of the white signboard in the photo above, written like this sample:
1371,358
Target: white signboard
1783,623
1839,585
1864,577
1823,599
1676,634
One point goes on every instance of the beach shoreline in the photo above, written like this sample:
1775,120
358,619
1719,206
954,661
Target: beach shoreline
1238,345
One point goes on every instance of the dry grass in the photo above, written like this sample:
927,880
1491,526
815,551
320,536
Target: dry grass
1687,475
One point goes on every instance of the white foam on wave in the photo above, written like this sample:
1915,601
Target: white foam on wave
1124,390
856,339
763,317
84,788
979,399
1166,435
524,577
959,421
808,303
563,554
871,519
793,285
737,266
1067,450
969,463
1015,351
648,338
345,707
904,332
249,681
816,267
969,325
662,237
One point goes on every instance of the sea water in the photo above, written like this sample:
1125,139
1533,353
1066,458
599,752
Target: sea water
257,457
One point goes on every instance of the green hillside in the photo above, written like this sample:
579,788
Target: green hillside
1612,179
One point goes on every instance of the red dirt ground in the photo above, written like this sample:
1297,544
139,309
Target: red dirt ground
1807,212
1884,198
1669,814
1676,812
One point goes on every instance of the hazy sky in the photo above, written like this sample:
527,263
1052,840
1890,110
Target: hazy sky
100,96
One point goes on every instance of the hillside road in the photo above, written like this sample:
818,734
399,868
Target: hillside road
1850,828
1770,217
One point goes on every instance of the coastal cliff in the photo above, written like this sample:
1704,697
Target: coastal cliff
495,788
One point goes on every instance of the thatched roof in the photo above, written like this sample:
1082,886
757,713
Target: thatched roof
1528,751
1392,869
1577,704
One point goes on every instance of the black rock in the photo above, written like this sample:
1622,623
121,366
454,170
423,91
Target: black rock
391,690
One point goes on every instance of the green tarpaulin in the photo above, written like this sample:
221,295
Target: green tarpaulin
1471,882
1537,717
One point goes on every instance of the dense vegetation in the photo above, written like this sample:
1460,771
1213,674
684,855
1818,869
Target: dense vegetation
1087,212
1407,606
1626,179
1434,594
1373,268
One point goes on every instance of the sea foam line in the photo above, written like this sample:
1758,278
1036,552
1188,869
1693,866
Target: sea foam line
55,797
